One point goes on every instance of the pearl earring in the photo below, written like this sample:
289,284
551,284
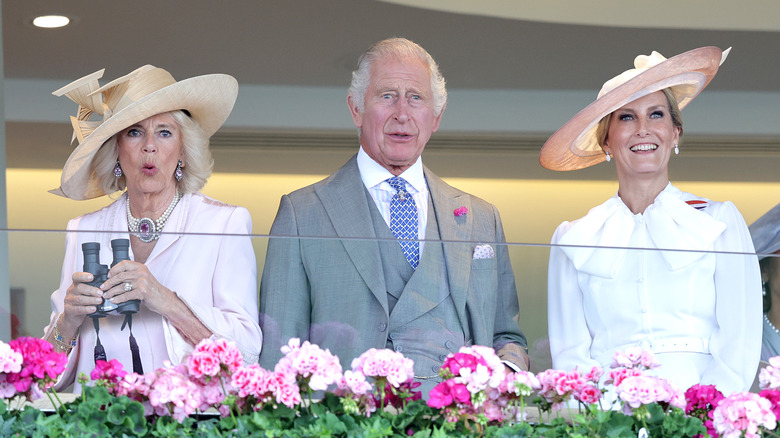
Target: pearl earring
609,157
676,150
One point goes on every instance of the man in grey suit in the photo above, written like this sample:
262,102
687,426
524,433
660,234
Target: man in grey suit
383,253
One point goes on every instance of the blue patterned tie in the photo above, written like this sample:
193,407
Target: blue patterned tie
403,220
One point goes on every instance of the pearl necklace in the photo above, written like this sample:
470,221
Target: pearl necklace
145,228
766,318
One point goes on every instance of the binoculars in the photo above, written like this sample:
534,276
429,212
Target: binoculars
120,248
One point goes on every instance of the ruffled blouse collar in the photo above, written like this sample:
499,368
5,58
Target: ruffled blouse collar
671,223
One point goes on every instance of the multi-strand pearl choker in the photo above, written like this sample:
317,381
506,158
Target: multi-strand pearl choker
147,229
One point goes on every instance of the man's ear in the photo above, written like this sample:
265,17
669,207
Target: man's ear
357,116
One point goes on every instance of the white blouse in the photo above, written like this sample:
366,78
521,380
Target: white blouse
610,287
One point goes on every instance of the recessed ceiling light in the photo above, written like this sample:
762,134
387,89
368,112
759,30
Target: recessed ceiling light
51,21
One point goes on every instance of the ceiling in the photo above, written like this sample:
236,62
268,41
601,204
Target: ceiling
304,43
316,42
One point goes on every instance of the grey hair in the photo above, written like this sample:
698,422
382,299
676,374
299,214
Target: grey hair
196,157
400,48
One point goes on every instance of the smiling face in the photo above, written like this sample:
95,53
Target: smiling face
148,154
398,116
641,137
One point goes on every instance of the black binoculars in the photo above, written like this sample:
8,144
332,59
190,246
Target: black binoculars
120,248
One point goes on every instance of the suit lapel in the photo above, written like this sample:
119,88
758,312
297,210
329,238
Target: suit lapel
457,256
345,201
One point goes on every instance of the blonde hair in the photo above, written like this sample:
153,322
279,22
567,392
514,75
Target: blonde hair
196,158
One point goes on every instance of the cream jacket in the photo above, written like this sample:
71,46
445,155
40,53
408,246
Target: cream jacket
214,272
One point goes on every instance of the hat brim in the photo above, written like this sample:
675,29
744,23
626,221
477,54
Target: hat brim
574,145
209,99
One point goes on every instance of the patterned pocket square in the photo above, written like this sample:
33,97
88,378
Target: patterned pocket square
483,252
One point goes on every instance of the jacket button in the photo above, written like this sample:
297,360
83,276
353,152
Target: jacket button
382,327
442,357
435,369
448,344
392,335
399,348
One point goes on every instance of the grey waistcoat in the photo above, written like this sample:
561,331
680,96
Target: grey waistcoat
428,338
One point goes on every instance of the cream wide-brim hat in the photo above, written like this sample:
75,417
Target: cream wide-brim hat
574,145
145,92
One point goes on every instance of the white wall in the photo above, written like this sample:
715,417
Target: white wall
510,111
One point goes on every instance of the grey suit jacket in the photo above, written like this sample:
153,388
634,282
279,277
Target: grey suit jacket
331,291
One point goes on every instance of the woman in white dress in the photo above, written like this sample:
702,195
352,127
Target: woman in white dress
653,266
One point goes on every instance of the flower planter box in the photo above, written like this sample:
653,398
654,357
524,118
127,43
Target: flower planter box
214,394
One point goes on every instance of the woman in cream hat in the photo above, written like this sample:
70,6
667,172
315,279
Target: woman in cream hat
191,272
682,293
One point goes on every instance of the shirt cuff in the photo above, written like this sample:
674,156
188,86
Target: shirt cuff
511,365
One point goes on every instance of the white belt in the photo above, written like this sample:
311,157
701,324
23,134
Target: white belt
677,344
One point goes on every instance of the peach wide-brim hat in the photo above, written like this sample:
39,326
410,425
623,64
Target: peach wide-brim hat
145,92
574,145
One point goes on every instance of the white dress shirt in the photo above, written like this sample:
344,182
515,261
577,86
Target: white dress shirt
700,312
375,177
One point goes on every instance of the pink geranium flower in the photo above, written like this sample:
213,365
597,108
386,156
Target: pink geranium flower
312,367
637,391
228,353
385,363
167,391
10,359
457,361
288,392
460,211
521,383
357,393
742,414
774,398
701,401
7,389
447,393
255,382
108,373
634,357
769,377
594,375
476,386
354,382
393,376
616,376
41,366
213,358
588,394
558,386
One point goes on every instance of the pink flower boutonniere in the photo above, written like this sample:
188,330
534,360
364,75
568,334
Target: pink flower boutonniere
461,211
